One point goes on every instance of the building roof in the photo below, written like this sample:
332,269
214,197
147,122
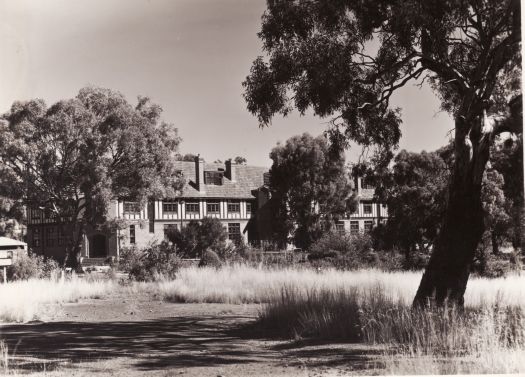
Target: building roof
4,241
248,178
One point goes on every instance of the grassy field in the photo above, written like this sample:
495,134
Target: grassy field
372,306
368,307
21,301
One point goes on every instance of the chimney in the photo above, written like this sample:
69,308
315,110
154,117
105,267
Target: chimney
230,170
199,173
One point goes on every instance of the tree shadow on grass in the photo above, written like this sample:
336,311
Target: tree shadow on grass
177,342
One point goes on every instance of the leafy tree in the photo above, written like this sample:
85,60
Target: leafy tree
415,192
240,160
310,188
73,158
497,220
187,157
345,59
198,236
507,159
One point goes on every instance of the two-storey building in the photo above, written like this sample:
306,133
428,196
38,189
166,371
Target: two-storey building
368,214
228,192
237,195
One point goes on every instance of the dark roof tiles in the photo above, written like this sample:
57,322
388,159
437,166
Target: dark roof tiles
248,178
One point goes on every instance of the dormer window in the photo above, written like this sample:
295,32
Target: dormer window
213,178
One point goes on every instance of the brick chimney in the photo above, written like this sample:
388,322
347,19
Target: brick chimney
230,172
199,174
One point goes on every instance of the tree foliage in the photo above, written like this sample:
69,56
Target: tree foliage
73,158
345,59
197,236
240,160
310,187
415,192
187,157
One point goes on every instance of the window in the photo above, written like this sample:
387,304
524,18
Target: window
369,224
170,206
51,236
192,207
250,208
35,213
212,207
131,207
36,238
168,228
367,208
234,206
234,232
61,236
340,227
354,226
367,184
213,178
266,179
132,234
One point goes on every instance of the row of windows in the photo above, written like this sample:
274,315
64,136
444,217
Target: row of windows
234,231
234,206
54,236
354,226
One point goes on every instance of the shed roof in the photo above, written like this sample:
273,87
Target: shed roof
4,241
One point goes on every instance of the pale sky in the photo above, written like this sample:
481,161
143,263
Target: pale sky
189,56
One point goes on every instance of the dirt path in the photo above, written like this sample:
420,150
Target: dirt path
130,335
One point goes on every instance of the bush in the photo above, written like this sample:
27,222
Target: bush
350,252
343,251
210,259
152,263
32,266
198,236
489,265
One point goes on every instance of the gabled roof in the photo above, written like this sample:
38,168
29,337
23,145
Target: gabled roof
248,178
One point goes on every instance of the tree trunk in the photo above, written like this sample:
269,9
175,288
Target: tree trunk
74,247
495,245
446,275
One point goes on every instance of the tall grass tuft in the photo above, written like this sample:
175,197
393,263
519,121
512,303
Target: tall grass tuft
489,338
21,301
4,357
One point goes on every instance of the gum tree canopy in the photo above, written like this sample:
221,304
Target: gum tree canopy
345,58
73,158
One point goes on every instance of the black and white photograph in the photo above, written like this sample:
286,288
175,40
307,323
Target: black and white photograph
231,188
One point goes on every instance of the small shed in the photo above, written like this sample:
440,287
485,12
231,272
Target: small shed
14,246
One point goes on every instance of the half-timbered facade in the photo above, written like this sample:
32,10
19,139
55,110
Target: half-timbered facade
227,192
368,214
237,195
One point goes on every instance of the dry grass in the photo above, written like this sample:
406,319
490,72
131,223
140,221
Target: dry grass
21,301
374,307
243,284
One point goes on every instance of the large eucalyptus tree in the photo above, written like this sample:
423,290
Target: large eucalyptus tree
345,58
73,158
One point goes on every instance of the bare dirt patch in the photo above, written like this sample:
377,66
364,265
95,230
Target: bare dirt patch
129,334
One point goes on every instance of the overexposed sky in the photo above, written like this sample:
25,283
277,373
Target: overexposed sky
189,56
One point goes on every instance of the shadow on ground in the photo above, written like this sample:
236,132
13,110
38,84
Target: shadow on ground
183,342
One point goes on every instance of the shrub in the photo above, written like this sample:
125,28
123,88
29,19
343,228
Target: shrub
152,263
29,266
197,236
344,251
210,259
495,266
